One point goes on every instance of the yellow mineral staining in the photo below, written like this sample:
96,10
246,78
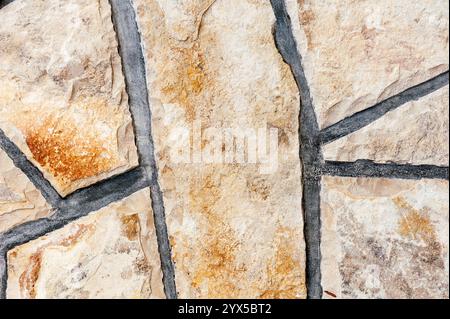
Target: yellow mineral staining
217,268
286,279
28,279
130,225
187,79
68,151
414,224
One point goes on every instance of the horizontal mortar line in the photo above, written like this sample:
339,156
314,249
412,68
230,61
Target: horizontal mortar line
30,170
367,168
363,118
77,206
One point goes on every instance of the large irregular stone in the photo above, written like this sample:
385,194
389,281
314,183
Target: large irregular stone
235,229
62,97
20,201
111,253
385,238
415,133
357,53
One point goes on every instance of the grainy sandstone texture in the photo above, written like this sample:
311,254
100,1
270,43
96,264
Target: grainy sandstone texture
415,133
385,238
111,253
235,233
20,201
356,53
62,96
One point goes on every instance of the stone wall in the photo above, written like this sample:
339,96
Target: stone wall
224,149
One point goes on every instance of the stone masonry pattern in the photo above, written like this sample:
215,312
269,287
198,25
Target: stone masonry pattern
258,149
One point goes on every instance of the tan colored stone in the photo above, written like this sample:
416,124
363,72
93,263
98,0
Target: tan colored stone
111,253
415,133
235,232
20,201
384,238
357,53
62,97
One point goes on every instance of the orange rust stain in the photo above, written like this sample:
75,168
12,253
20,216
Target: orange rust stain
186,80
28,279
414,223
74,238
130,225
286,280
58,146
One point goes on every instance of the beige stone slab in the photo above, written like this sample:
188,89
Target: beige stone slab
111,253
415,133
384,238
62,96
20,201
235,232
357,53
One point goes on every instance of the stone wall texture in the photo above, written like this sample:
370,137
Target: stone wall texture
154,149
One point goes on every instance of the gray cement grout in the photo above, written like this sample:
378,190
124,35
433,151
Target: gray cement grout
361,119
131,51
4,3
310,154
367,168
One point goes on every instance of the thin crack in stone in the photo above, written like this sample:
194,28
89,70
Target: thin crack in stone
133,62
361,119
310,154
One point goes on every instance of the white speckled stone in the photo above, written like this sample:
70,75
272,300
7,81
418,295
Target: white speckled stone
384,238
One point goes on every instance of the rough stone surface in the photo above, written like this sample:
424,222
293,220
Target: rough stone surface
235,233
385,238
111,253
62,97
357,53
20,201
415,133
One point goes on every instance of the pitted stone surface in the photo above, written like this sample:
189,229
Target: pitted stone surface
62,97
357,53
415,133
111,253
385,238
235,233
20,201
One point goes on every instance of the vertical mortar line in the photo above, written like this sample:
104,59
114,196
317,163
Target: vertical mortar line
310,154
129,38
3,273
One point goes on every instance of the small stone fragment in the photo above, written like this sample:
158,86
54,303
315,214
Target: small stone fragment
111,253
20,201
415,133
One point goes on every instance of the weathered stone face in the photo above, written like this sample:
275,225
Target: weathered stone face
357,53
62,97
20,201
415,133
111,253
385,238
235,232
